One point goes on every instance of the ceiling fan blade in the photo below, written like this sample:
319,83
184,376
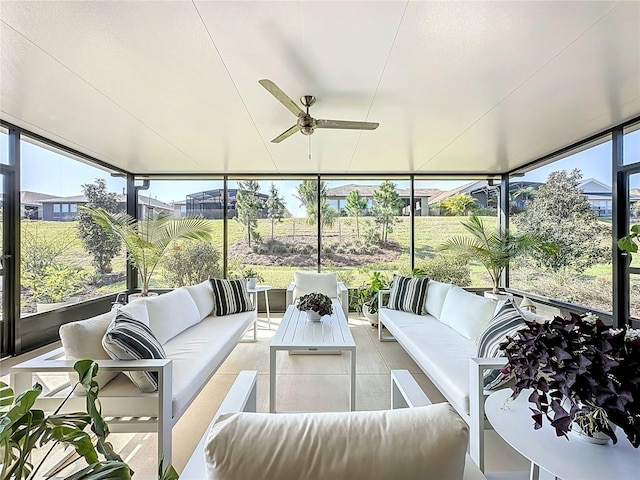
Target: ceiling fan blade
345,124
282,97
286,134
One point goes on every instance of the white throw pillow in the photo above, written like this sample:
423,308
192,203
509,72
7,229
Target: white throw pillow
171,314
429,443
308,282
202,295
138,310
82,340
436,293
467,313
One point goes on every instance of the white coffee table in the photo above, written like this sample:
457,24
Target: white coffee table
296,333
572,459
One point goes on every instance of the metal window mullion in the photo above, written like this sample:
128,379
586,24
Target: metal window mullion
504,220
620,228
12,338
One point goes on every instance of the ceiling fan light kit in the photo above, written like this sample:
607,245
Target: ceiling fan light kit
306,123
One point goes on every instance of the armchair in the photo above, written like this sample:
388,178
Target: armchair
327,283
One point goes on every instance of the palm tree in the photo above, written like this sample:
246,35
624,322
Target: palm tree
493,248
147,240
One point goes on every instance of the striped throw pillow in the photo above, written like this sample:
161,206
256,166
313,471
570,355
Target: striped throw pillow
408,294
230,296
130,339
506,322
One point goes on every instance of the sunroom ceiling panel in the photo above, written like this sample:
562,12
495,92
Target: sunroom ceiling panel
553,112
52,102
172,80
452,64
335,52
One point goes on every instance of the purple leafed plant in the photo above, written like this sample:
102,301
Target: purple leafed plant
318,302
581,370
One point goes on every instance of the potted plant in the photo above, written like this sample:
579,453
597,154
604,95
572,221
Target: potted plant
628,242
148,240
493,248
317,305
578,371
55,288
252,276
367,296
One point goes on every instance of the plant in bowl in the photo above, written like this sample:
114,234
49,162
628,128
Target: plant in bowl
316,302
578,370
366,297
148,240
252,276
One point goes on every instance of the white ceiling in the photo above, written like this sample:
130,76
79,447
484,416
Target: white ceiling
458,87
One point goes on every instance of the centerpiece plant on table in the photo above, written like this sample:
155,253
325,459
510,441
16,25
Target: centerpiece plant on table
579,370
317,302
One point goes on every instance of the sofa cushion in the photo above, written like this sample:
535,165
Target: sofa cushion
230,296
202,295
341,445
129,339
408,294
467,313
171,313
309,282
437,349
83,340
507,321
436,293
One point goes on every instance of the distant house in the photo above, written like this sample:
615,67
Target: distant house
337,198
180,208
31,204
209,204
599,196
61,209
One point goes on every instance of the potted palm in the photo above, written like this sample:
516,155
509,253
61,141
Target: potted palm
493,248
148,240
367,296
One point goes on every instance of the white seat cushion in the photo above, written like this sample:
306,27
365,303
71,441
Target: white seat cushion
436,293
202,295
439,351
467,313
429,443
171,313
308,282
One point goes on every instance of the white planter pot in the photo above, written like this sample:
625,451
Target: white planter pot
138,296
598,438
313,316
251,283
498,296
372,317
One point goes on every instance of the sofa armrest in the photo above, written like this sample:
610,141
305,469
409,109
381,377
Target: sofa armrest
290,298
343,295
383,298
477,367
241,398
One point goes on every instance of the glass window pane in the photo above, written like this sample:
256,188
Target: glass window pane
567,202
4,146
57,267
631,145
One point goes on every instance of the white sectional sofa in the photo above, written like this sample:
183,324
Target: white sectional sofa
195,342
442,342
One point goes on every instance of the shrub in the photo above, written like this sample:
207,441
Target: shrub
447,268
191,263
57,284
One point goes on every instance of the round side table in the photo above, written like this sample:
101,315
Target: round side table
265,289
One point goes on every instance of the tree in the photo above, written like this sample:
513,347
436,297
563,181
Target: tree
356,205
387,204
275,206
560,213
459,204
249,207
308,196
101,243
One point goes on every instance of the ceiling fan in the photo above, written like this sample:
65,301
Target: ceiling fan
306,123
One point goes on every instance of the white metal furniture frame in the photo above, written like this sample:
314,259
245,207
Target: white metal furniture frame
297,333
573,459
405,393
265,289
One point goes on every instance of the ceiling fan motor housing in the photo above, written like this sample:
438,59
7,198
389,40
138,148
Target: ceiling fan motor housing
306,123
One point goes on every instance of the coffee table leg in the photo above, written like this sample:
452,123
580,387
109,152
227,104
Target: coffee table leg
352,393
272,380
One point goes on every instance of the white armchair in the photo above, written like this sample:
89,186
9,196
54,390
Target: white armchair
327,283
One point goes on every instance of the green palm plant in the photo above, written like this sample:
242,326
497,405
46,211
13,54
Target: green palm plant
148,240
493,248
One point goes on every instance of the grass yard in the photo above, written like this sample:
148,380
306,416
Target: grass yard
591,288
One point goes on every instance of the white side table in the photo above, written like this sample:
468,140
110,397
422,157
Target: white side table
572,459
265,289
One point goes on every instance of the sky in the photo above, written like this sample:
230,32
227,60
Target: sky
49,172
